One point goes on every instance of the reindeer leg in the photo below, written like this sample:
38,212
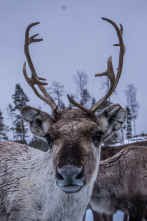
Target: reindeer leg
97,216
84,218
137,212
108,217
125,217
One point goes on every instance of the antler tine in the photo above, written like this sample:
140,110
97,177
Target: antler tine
109,72
78,105
34,79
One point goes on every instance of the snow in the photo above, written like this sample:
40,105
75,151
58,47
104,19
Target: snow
117,217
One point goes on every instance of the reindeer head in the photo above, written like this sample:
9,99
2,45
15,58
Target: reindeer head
74,135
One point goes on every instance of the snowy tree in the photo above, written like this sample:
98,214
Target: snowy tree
128,123
132,103
3,128
11,116
20,99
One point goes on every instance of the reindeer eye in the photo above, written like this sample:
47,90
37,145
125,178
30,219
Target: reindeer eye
97,136
48,138
38,122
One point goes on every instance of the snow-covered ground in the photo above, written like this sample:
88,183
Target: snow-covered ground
117,217
132,140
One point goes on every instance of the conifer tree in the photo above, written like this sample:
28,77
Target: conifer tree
11,116
3,128
128,123
20,99
132,103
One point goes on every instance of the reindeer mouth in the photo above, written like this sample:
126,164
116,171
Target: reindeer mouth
71,188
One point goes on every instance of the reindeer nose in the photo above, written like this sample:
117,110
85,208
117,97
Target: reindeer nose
70,175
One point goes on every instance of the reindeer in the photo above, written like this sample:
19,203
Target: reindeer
121,184
57,185
109,151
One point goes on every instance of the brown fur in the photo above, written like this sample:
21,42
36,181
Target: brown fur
57,184
121,181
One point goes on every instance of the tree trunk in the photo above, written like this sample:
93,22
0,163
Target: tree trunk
134,126
23,131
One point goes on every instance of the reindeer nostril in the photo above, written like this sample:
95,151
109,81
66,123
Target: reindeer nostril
59,175
80,175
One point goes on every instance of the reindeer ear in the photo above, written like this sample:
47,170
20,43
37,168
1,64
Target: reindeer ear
111,119
39,121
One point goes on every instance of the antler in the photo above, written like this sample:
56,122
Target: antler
34,79
109,72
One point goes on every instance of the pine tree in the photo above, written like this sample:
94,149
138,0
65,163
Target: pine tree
132,103
3,128
11,116
128,123
20,99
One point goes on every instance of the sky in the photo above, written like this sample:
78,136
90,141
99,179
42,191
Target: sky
75,39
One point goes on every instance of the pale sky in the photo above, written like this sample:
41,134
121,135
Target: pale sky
75,38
